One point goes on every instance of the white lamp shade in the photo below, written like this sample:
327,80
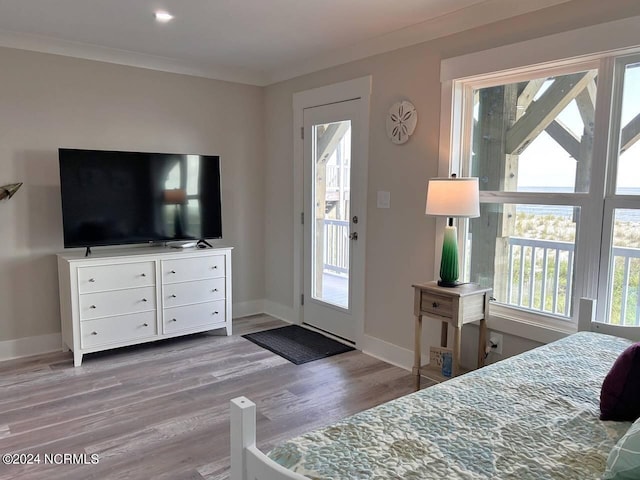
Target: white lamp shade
453,197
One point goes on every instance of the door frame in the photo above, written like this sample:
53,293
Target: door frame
358,88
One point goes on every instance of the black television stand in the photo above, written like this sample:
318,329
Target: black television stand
202,243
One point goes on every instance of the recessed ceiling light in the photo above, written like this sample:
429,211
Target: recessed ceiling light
163,17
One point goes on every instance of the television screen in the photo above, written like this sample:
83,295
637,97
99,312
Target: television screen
112,198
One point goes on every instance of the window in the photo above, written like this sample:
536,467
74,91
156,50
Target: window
529,141
559,178
620,254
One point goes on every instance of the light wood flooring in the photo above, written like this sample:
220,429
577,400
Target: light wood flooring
161,410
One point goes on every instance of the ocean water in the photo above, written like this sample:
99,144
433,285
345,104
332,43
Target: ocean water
561,211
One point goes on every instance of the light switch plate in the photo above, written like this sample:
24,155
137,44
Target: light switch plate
384,199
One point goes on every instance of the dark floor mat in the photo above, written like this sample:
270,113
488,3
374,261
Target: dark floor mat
297,344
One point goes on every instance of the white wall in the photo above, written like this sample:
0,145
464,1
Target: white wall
400,240
49,101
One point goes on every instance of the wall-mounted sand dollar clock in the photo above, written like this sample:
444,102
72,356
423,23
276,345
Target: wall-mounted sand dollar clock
401,121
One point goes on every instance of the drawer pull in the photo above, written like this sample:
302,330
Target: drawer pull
143,274
215,313
144,299
94,333
173,320
214,267
435,304
173,296
92,306
92,280
172,271
145,324
214,290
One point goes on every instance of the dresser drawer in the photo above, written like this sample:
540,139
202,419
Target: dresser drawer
120,329
195,268
118,302
110,277
436,304
185,293
192,317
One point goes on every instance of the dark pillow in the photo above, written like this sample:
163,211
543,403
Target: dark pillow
620,394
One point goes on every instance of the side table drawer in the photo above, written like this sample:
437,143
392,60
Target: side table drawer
436,304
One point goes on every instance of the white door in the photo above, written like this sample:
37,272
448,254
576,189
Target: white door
334,209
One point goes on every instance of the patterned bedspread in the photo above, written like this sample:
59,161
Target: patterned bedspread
533,416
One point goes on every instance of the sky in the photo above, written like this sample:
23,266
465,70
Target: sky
544,155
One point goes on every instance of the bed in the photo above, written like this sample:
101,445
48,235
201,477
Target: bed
534,416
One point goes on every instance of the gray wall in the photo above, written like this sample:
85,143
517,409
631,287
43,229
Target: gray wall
49,101
400,240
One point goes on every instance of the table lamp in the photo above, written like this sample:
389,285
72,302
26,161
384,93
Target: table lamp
177,197
452,198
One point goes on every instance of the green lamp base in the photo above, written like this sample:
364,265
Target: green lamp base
449,261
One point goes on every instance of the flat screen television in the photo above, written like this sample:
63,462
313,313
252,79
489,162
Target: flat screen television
117,198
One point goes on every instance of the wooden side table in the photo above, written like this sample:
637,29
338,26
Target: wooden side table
456,306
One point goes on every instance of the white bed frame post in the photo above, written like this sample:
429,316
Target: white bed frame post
247,462
243,435
586,314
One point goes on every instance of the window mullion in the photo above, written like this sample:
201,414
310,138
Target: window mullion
533,198
599,226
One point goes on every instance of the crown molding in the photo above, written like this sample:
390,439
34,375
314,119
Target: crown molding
55,46
481,13
476,15
573,46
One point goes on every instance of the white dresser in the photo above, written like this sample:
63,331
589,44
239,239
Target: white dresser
116,298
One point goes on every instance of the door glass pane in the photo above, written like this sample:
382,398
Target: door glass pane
628,182
523,131
330,210
525,253
624,294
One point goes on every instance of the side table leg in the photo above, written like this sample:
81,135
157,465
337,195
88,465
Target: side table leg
456,351
417,354
482,342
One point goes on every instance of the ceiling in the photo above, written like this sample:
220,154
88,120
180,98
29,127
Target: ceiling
250,41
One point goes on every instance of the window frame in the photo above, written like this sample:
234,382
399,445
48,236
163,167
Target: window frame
466,87
552,55
612,200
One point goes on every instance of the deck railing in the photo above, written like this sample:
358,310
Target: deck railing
336,246
541,274
626,283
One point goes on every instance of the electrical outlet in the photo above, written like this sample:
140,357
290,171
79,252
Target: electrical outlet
495,339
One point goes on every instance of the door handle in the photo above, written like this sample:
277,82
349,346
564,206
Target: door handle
353,236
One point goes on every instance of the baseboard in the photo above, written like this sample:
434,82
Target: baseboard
279,311
244,309
36,345
385,351
390,353
28,346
